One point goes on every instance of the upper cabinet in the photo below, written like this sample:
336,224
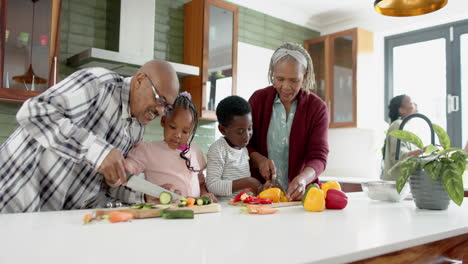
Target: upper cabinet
337,58
210,42
29,38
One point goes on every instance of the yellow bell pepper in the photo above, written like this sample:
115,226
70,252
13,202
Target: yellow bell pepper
314,201
330,185
283,197
273,194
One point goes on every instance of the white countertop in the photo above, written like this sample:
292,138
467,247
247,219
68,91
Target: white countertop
364,229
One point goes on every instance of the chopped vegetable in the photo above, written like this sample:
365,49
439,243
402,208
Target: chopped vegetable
143,206
165,198
200,201
238,196
256,200
273,194
115,217
87,218
206,200
190,201
259,209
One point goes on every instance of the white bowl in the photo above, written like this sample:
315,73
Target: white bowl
385,191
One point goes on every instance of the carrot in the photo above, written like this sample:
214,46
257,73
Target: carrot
87,218
260,209
190,201
115,217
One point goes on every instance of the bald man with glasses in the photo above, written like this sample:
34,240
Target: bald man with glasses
72,138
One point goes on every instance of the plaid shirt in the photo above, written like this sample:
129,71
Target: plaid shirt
50,162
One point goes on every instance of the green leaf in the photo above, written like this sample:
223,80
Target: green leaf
433,169
408,137
407,168
444,139
431,148
395,167
449,150
453,182
459,157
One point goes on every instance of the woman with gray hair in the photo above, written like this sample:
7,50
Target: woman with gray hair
290,124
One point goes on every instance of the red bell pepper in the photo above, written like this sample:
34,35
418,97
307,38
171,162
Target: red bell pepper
336,199
238,197
256,200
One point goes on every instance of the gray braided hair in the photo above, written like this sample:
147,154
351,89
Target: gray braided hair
308,84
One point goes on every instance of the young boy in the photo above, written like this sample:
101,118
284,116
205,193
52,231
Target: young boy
228,168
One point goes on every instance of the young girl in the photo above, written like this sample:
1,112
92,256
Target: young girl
176,163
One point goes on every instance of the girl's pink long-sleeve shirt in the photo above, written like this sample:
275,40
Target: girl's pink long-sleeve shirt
163,165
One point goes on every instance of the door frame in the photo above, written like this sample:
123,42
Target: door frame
448,32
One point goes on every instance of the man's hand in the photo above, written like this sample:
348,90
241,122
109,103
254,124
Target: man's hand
113,169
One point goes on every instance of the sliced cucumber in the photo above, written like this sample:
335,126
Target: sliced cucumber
206,200
165,198
176,214
200,201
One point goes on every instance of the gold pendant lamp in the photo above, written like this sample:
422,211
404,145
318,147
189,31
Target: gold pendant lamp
402,8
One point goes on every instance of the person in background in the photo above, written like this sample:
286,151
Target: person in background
400,107
175,163
290,124
228,169
72,138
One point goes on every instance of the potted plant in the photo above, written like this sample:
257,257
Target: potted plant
436,175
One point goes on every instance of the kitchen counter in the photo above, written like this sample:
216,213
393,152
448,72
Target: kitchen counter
363,230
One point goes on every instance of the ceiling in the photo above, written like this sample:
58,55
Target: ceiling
327,16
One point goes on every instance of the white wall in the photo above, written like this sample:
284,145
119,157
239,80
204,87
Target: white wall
252,68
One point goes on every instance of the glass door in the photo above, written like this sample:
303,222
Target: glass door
431,66
423,78
460,92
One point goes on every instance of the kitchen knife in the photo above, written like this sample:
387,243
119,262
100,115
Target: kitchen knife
139,184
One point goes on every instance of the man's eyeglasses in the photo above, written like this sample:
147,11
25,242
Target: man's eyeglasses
160,101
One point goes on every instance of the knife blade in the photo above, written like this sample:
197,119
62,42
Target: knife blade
139,184
276,184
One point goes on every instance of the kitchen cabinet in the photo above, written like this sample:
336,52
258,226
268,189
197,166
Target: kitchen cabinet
29,47
337,58
210,42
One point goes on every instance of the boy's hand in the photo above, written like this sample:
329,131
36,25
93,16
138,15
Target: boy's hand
268,184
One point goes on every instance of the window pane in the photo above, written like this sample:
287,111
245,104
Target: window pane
419,71
464,86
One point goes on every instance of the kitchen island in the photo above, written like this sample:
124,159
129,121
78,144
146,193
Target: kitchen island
364,229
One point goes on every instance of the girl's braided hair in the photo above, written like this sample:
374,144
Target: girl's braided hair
184,101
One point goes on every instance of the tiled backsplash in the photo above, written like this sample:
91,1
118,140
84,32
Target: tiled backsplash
91,23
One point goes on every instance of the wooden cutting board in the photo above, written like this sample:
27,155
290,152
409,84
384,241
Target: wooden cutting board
273,205
151,213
